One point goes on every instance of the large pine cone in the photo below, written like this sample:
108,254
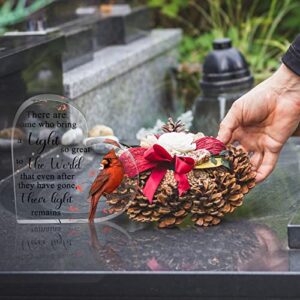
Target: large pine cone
213,193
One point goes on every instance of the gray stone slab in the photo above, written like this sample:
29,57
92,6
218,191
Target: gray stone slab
132,100
116,60
126,87
245,257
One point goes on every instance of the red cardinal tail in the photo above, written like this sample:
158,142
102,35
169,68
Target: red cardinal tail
93,208
96,191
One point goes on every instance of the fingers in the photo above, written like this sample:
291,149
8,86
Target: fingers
256,160
229,124
224,134
267,165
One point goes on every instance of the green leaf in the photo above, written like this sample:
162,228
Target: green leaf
224,152
226,164
213,160
155,3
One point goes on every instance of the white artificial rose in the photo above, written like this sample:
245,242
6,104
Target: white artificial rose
177,142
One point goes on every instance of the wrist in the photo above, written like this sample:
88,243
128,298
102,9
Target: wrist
286,83
286,79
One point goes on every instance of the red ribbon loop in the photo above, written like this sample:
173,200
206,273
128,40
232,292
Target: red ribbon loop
163,161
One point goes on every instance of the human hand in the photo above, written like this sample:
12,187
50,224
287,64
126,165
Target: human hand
263,119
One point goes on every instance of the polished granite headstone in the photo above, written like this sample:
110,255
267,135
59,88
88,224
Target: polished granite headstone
79,45
28,66
245,257
122,28
294,224
86,28
294,231
34,63
133,79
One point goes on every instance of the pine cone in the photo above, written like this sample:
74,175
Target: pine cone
120,198
213,193
241,168
167,207
172,126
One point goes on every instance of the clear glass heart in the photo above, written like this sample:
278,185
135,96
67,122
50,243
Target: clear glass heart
57,168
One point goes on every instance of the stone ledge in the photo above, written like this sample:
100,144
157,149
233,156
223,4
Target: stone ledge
111,62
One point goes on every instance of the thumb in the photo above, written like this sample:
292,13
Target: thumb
229,124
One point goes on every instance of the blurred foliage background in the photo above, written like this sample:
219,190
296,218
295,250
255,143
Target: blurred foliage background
14,11
261,30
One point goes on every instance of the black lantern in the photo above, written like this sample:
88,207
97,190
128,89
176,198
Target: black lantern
225,78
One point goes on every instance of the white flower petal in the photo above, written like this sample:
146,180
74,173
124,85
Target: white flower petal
177,142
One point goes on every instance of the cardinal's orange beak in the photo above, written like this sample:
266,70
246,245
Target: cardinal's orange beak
104,162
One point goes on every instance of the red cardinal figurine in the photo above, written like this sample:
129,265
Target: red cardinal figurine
107,180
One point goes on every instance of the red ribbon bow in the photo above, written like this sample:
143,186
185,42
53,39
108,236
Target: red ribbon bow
160,161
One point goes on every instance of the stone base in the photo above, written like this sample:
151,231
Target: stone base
125,87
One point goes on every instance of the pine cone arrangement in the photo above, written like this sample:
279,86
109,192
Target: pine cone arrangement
213,193
194,176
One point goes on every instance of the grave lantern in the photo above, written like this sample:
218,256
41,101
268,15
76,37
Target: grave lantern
225,77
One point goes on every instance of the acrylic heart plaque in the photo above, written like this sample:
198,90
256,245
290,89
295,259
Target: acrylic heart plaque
60,175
